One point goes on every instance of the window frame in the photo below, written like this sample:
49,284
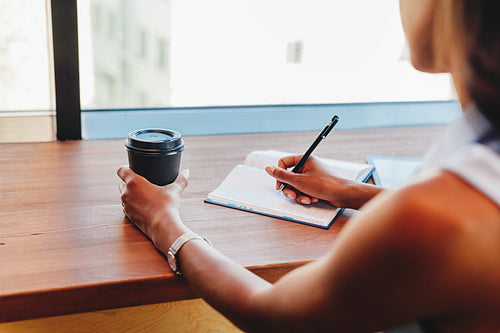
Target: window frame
66,69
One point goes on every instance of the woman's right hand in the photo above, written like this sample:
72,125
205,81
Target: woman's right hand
315,181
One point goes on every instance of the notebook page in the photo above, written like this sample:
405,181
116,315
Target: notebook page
255,189
349,170
262,158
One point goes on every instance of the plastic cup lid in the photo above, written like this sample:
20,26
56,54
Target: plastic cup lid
155,140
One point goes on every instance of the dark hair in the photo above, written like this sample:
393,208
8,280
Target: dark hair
480,25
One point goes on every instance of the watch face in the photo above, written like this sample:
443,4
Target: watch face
171,261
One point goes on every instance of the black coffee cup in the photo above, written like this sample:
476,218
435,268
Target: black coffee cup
155,154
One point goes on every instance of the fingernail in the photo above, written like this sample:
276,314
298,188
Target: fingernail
304,201
289,196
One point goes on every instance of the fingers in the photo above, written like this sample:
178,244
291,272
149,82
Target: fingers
182,180
299,197
125,213
280,174
306,200
125,173
303,200
289,193
186,173
122,186
286,176
286,163
289,161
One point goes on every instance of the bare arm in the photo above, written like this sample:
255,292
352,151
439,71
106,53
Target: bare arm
372,280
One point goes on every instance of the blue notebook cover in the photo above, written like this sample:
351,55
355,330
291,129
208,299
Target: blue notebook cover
251,210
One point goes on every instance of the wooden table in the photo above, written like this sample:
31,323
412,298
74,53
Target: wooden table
65,246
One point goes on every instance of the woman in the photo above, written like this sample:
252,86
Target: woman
425,257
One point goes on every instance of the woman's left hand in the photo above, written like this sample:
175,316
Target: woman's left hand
153,209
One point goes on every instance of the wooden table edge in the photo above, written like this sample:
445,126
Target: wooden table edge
102,296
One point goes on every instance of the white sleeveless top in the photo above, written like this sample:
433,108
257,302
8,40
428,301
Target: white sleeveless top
470,148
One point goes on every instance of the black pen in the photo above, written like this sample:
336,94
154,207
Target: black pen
328,127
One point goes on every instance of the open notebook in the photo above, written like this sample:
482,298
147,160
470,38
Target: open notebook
249,187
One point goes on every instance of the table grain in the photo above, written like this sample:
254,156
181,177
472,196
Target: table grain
66,247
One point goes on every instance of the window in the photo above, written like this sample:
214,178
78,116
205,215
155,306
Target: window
162,60
96,17
143,44
26,90
212,64
294,52
227,52
125,75
111,26
237,57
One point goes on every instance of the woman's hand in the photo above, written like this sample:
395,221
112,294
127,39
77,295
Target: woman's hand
315,181
153,209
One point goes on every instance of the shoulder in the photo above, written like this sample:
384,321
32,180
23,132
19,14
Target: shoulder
438,211
443,202
428,248
415,214
435,224
450,231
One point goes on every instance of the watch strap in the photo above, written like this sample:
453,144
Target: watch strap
179,243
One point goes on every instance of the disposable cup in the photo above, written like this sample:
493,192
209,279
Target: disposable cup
155,154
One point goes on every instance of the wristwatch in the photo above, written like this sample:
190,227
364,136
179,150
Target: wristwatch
176,246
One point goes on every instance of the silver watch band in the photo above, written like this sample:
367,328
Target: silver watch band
177,245
183,239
